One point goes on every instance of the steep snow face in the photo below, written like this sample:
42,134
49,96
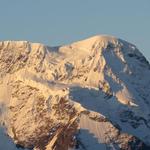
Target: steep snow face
46,90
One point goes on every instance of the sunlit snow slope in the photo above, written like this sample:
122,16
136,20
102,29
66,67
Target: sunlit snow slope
92,94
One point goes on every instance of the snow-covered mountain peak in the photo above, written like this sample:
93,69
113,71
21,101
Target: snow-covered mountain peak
99,40
58,97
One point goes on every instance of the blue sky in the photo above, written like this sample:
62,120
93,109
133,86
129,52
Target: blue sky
57,22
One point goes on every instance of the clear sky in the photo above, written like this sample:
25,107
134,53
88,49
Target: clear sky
57,22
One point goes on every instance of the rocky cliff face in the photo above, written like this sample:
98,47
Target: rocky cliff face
92,94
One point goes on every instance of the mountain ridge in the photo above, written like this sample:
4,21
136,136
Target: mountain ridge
54,92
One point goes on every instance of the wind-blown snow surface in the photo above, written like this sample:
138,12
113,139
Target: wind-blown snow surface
97,89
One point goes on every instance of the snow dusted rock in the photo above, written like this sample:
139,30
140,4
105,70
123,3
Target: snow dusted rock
92,94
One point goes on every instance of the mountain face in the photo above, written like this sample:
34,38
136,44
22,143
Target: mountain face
90,95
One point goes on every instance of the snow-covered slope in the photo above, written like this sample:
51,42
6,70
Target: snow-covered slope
6,142
92,94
